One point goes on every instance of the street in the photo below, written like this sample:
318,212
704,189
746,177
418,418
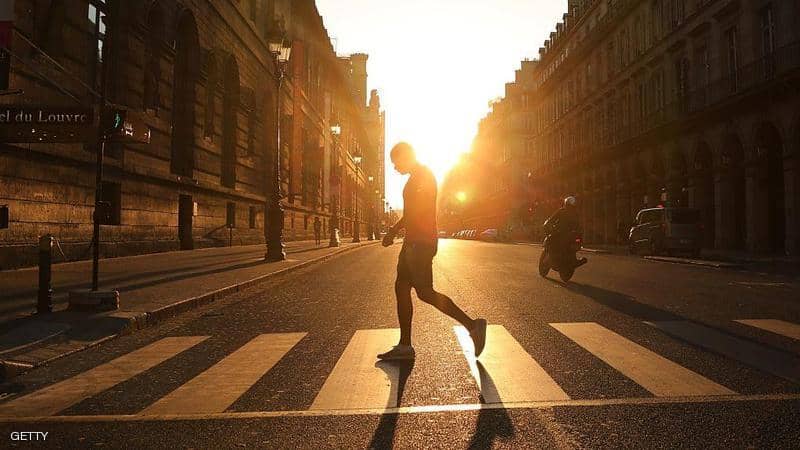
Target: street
632,353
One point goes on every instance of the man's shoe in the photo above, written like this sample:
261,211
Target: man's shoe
398,353
478,335
581,262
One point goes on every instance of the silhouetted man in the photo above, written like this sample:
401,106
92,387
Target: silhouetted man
317,230
415,264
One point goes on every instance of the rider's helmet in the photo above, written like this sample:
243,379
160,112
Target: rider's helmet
570,201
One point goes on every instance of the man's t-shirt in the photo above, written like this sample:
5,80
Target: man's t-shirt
419,207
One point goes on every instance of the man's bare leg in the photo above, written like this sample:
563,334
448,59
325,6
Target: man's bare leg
405,310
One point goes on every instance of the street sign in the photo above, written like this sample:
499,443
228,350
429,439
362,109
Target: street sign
126,126
22,123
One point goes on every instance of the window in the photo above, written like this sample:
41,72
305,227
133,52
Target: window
97,20
5,69
703,67
211,97
231,215
768,41
152,65
651,216
767,31
253,10
252,217
49,18
682,79
732,43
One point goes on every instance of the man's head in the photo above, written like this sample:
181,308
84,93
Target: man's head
570,202
403,157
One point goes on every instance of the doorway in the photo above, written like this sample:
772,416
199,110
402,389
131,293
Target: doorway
185,217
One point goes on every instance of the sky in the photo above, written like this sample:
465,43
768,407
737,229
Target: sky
437,64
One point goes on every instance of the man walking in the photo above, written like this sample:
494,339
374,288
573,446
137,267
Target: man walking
415,264
317,230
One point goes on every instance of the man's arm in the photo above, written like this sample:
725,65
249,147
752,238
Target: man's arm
389,238
399,225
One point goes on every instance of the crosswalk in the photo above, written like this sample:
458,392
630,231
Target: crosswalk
505,374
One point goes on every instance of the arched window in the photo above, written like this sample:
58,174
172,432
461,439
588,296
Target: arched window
49,16
230,112
152,63
183,107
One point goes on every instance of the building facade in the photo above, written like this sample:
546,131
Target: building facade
200,76
640,103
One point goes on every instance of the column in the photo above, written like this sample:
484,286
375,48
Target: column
757,215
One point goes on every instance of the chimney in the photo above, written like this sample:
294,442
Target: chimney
359,64
374,101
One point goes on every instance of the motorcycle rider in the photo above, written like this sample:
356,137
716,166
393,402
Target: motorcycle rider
564,223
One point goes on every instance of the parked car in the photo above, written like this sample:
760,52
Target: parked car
490,234
667,230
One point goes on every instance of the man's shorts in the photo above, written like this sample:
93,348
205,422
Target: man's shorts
415,265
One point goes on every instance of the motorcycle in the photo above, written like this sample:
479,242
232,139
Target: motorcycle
562,260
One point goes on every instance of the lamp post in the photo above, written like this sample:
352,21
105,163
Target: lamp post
336,130
281,51
371,217
356,224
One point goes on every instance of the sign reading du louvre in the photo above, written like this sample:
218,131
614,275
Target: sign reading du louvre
45,124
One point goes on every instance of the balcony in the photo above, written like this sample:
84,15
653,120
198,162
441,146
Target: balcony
745,81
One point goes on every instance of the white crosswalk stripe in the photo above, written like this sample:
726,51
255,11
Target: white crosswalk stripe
218,387
358,380
750,353
506,373
60,396
649,370
788,329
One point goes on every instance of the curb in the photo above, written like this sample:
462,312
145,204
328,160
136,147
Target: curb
594,250
694,262
10,368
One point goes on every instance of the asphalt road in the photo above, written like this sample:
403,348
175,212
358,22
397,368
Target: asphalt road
632,353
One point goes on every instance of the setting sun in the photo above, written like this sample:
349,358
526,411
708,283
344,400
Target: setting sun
437,64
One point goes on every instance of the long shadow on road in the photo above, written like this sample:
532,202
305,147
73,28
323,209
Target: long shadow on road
398,372
620,302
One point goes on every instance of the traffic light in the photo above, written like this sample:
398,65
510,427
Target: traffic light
114,120
121,125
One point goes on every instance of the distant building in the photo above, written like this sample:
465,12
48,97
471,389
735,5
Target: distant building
200,76
638,103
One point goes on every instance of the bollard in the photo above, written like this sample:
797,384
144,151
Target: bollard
45,301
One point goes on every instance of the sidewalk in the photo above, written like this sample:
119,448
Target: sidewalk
709,257
152,287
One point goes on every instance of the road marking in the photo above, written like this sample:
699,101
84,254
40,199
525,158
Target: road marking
788,329
62,395
432,409
217,388
505,371
358,380
761,357
659,375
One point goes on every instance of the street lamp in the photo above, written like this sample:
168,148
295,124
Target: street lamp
356,225
336,130
281,51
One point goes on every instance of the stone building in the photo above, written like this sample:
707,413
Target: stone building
200,77
637,103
